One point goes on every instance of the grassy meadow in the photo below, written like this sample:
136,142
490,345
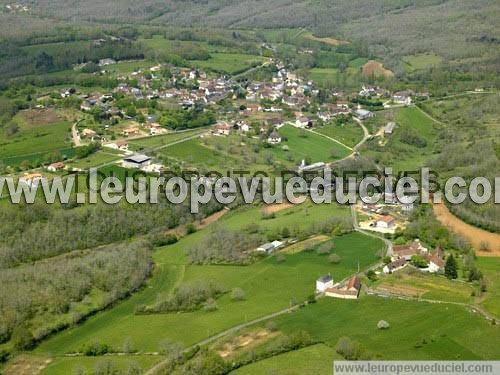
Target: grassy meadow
349,134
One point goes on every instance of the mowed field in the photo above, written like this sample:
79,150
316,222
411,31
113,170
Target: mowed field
303,144
418,330
162,140
39,133
490,267
349,134
412,63
231,63
270,285
314,359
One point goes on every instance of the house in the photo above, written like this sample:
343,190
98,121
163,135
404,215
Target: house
407,251
31,179
274,138
88,134
395,265
324,283
54,167
87,105
118,145
136,161
242,126
269,247
435,263
130,132
303,122
252,108
363,114
402,97
154,128
348,290
389,128
385,221
222,128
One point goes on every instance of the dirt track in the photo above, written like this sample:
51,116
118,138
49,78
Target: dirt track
474,235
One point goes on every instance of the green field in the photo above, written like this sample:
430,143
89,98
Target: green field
422,61
96,159
269,286
162,140
449,331
332,76
69,365
34,141
349,134
231,63
303,144
313,360
490,267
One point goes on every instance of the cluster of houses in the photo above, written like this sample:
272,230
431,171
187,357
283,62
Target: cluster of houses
346,290
404,253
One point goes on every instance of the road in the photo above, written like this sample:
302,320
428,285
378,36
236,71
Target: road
74,134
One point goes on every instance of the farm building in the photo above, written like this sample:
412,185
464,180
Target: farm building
324,283
385,221
363,114
269,247
54,167
407,251
389,128
402,97
274,138
394,266
222,128
348,290
136,161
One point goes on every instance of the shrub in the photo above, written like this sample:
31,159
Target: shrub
4,356
22,338
334,258
271,326
382,324
237,294
95,348
324,248
190,228
210,305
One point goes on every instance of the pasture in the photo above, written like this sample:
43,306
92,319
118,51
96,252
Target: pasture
270,285
162,140
412,63
315,359
231,63
418,330
35,138
349,134
302,144
490,267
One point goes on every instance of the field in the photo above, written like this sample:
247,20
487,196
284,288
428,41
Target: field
328,40
421,61
418,330
349,134
332,76
95,160
269,285
491,270
315,359
426,286
403,156
69,365
231,63
35,138
161,140
304,145
376,69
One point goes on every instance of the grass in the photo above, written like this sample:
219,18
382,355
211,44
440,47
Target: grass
304,145
450,331
162,140
231,63
315,359
69,365
412,63
94,160
490,267
350,134
33,142
269,286
430,286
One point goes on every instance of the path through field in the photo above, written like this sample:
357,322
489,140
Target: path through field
474,235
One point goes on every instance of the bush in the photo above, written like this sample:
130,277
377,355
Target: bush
324,248
95,348
190,228
22,338
237,294
382,324
334,258
271,326
4,356
210,305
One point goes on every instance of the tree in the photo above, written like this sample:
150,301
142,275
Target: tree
450,267
22,338
128,346
334,258
371,275
418,261
382,324
237,294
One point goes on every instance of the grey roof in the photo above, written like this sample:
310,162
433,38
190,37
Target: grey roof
389,127
396,264
137,158
325,279
267,246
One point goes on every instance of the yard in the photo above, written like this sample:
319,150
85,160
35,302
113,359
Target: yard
349,134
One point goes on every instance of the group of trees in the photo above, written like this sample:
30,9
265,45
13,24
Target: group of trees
182,119
60,292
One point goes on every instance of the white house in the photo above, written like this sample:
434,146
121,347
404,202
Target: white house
385,221
402,97
363,114
302,122
324,283
269,247
349,290
54,167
